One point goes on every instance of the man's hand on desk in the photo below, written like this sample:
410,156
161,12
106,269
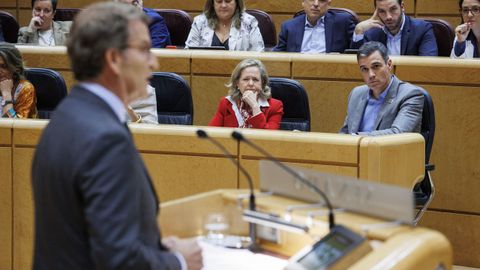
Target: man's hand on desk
189,248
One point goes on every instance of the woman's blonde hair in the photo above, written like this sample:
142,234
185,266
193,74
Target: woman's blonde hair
234,92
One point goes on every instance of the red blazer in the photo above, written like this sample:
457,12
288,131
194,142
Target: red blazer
269,119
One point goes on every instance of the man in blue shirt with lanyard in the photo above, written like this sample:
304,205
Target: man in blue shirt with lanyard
319,30
385,105
401,34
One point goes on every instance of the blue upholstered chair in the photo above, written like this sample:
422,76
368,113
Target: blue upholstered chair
174,98
50,89
9,27
295,103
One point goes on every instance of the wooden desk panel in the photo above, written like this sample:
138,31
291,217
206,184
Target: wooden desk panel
54,57
437,7
328,104
325,67
23,211
170,60
384,159
6,202
440,75
455,149
461,230
187,5
207,92
9,3
6,208
253,167
178,176
223,62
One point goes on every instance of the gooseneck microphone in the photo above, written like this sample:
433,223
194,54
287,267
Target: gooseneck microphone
331,220
251,203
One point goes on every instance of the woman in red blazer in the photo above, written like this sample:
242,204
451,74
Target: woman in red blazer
249,103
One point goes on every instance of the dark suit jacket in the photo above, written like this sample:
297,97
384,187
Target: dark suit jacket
400,112
158,29
339,29
269,119
95,207
417,38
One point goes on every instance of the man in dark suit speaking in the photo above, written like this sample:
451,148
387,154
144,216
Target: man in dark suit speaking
95,206
317,31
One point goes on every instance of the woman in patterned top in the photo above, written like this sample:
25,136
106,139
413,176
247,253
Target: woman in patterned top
17,99
225,23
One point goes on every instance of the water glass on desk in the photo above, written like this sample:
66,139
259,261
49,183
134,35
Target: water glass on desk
216,226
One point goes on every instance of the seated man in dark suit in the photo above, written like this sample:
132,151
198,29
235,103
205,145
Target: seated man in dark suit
158,28
401,34
95,205
385,105
317,31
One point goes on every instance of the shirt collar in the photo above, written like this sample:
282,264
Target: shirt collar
399,31
110,98
384,93
319,22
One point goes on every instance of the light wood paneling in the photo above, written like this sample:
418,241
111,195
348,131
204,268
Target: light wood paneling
280,6
6,132
253,167
203,62
24,15
383,159
207,92
437,7
8,3
6,206
327,66
27,133
177,61
327,118
23,211
177,176
54,58
462,232
446,75
455,149
189,5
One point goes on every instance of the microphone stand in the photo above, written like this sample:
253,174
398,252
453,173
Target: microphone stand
251,202
240,138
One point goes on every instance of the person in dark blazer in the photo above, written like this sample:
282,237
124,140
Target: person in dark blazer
401,34
249,103
158,28
334,30
385,105
95,206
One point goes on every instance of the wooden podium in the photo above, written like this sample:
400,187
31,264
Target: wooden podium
393,246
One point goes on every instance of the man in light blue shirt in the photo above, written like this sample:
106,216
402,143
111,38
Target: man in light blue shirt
385,105
401,34
319,30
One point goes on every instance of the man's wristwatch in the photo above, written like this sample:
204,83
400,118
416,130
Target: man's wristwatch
6,102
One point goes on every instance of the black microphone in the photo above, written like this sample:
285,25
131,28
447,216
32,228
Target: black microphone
251,203
331,220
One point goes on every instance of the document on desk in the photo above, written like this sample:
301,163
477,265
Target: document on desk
220,258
